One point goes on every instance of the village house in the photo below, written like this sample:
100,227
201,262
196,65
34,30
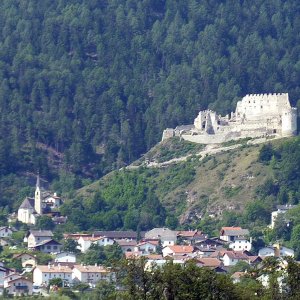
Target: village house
3,273
281,210
35,237
18,285
42,274
85,242
191,236
231,258
27,260
209,262
127,245
165,235
92,274
48,246
5,231
241,244
178,250
65,257
147,247
276,250
230,234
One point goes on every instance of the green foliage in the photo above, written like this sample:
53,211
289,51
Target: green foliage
107,255
45,223
174,282
70,245
56,282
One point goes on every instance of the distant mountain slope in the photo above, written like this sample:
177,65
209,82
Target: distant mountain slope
98,81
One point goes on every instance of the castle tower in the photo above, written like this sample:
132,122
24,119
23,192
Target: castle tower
289,122
38,197
208,125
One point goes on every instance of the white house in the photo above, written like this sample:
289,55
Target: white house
5,231
281,209
241,244
85,242
27,259
276,250
43,274
18,285
165,235
230,234
35,237
3,273
147,247
92,274
65,257
231,258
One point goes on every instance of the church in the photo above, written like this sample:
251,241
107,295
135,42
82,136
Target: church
43,202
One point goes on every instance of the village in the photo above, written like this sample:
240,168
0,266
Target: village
63,265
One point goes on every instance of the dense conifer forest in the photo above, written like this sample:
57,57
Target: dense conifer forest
87,86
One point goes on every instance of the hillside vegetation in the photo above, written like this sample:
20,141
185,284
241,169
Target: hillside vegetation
241,185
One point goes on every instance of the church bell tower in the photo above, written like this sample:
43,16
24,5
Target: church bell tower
38,197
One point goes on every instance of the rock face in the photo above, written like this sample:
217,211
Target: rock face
256,115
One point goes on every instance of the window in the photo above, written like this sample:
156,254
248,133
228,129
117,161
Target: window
55,247
48,247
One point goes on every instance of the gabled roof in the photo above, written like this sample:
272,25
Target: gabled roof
178,249
153,243
234,231
129,234
236,255
54,268
209,262
126,243
28,203
50,241
157,233
41,233
91,269
22,254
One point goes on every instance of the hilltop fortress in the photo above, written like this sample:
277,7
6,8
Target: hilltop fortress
256,115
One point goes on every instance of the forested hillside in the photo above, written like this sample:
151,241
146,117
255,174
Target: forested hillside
87,86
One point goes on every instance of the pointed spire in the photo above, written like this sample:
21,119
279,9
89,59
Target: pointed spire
38,180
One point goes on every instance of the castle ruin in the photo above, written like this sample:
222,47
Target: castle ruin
256,115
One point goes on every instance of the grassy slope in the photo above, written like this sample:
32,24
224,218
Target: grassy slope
225,181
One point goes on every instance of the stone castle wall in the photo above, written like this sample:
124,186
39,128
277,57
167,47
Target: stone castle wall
255,115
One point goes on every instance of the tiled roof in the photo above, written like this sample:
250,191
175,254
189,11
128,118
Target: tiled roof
126,243
154,256
160,233
117,234
153,242
91,269
41,233
236,255
54,269
209,262
234,231
181,249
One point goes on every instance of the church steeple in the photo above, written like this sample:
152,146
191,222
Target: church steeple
38,196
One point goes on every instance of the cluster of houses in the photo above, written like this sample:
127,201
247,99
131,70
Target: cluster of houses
158,245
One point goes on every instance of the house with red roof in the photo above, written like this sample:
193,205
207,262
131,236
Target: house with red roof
178,250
